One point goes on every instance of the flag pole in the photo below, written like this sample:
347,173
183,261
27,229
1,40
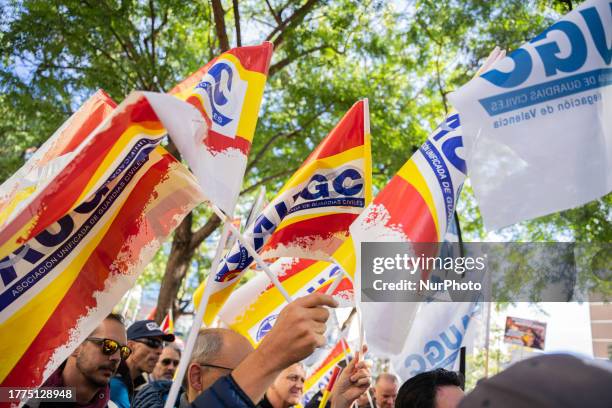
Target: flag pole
197,320
258,259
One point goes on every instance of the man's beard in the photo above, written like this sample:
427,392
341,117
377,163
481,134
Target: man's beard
90,374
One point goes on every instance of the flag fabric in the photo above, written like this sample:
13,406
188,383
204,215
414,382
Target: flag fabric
439,331
417,205
319,377
71,252
537,126
330,386
48,160
252,309
167,325
310,216
228,92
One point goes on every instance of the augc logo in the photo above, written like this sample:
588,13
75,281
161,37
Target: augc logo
265,326
223,94
568,55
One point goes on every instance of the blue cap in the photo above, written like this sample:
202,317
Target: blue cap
147,328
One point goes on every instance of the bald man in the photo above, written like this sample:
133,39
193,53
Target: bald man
385,390
216,353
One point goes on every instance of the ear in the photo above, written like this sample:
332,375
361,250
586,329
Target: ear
194,377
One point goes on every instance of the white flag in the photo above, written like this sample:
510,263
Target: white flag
537,128
436,337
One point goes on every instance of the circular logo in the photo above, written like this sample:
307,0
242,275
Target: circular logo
265,326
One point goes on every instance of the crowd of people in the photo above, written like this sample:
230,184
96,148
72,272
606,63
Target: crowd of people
115,367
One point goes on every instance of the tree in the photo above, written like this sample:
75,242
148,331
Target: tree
405,58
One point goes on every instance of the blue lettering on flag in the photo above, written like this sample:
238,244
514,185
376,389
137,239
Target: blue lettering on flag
438,166
559,88
10,294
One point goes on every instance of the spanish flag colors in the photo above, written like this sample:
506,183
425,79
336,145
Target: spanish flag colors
71,250
227,92
322,374
252,309
417,205
310,216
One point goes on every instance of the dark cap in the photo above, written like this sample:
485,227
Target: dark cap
548,381
147,328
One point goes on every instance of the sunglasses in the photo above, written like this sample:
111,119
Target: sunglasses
149,342
110,347
167,361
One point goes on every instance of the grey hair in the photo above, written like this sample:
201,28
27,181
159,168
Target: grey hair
387,376
208,344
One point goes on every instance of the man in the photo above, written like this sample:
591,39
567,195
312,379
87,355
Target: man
146,340
91,365
167,363
217,352
297,332
385,390
432,389
287,389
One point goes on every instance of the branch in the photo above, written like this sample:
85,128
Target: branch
152,35
269,178
288,60
274,14
200,235
290,22
219,15
237,23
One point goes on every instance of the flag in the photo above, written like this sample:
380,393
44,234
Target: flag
70,253
252,309
330,386
167,325
320,376
537,126
227,92
439,331
310,216
417,205
19,189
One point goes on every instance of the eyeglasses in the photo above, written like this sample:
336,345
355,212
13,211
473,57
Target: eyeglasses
168,361
152,343
110,347
216,366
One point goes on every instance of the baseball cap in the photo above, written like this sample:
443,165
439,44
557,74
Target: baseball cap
147,328
548,381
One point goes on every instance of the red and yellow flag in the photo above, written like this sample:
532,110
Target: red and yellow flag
227,92
253,308
310,216
70,252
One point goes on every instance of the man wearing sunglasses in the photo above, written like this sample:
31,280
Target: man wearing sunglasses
92,364
146,339
167,363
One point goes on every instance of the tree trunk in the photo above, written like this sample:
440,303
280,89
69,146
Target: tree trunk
176,268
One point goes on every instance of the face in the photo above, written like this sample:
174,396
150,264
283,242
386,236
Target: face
200,377
386,392
144,356
95,366
167,364
448,396
289,385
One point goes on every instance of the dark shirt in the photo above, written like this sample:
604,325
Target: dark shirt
100,400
